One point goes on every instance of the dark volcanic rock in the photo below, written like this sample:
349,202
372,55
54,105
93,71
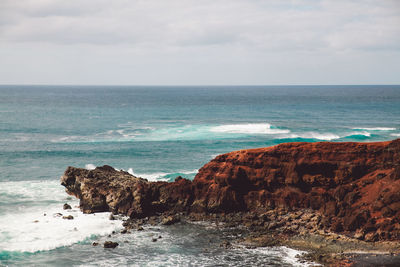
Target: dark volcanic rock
67,206
106,189
354,186
110,244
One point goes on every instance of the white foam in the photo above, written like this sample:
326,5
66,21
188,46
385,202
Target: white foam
314,135
32,191
249,128
288,255
375,128
32,231
365,133
158,176
25,228
395,134
127,133
90,167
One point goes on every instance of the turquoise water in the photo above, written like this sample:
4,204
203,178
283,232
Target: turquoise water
157,133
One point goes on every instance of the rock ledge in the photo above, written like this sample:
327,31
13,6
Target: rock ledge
350,188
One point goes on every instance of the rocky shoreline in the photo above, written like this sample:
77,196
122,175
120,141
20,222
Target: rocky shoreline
335,200
276,229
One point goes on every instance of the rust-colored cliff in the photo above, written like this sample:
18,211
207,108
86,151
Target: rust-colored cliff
354,186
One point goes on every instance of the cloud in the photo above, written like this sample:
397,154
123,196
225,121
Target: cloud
266,25
199,41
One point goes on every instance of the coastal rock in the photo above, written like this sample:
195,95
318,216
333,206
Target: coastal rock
66,206
69,217
349,187
106,189
170,220
110,244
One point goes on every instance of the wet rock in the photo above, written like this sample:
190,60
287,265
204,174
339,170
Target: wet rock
110,244
225,244
67,206
95,244
111,217
359,235
154,240
371,237
170,220
69,217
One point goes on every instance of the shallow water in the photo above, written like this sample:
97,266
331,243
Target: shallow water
157,133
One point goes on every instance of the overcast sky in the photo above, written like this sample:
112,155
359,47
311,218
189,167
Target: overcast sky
198,42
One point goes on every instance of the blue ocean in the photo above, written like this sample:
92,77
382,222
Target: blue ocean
156,133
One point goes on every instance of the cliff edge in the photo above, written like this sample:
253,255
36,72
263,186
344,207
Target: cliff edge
352,188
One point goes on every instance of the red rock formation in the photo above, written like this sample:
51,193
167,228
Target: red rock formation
355,186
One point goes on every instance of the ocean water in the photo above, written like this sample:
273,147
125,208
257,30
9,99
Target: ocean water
157,133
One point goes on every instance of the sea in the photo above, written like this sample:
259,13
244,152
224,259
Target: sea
158,133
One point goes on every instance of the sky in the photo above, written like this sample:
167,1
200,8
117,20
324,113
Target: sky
199,42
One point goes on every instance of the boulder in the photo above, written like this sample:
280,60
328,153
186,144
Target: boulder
110,244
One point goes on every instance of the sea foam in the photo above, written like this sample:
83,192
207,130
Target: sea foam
34,223
249,128
90,167
375,128
314,135
162,176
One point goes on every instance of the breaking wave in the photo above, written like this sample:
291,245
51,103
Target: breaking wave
375,128
249,128
37,225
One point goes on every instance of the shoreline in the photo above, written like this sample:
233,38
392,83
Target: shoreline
328,249
332,199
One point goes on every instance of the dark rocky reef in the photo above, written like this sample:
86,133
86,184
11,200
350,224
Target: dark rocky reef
354,188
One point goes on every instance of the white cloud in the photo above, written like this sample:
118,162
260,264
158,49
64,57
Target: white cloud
208,36
299,25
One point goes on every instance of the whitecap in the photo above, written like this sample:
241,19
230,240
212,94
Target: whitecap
365,133
375,128
395,134
314,135
249,128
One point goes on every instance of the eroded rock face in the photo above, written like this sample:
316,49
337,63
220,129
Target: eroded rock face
354,186
106,189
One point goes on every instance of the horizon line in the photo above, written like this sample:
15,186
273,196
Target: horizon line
194,85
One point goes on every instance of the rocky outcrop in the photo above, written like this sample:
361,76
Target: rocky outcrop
106,189
353,187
